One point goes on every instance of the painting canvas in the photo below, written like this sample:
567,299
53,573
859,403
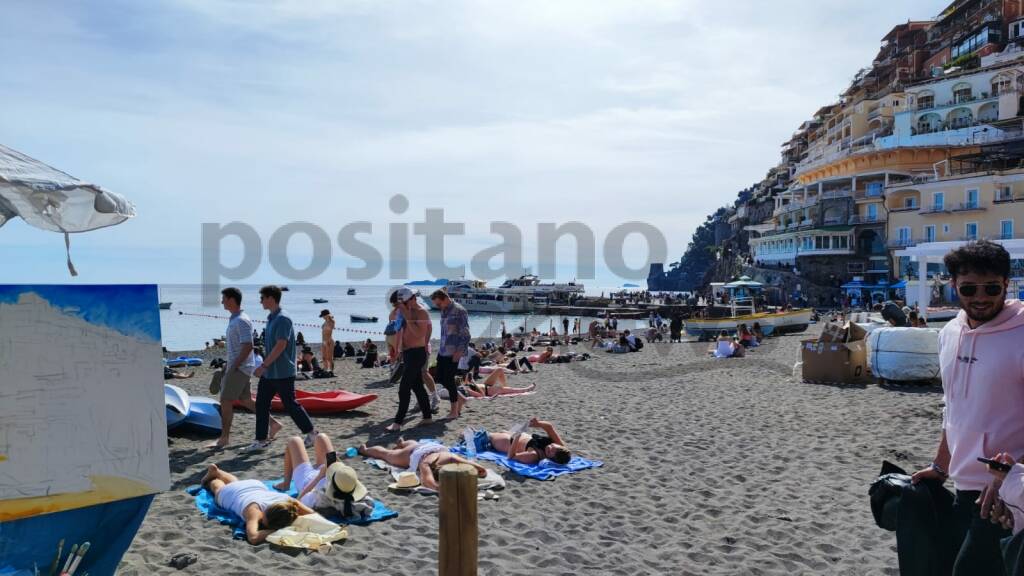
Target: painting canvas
83,441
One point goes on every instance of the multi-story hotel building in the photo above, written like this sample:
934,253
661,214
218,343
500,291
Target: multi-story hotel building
972,196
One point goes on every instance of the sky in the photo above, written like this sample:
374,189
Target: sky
267,113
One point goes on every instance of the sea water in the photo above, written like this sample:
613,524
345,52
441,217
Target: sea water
189,325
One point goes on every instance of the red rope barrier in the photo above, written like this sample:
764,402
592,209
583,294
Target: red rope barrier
300,324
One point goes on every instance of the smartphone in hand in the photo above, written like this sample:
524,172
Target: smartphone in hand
996,465
332,457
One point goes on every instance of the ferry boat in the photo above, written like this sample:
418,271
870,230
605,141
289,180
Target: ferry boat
541,295
515,296
475,296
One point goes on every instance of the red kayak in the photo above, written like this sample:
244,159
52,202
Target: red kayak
330,402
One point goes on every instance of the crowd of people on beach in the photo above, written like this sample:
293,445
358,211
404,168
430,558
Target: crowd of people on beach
460,370
736,346
976,529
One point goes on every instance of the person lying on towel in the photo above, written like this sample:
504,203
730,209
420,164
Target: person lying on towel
326,484
263,510
524,447
423,458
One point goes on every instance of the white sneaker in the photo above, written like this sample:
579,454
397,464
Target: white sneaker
310,438
257,446
434,401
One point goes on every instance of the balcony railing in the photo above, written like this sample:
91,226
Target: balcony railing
934,209
904,208
944,126
832,194
921,106
858,219
967,206
902,243
1003,197
868,194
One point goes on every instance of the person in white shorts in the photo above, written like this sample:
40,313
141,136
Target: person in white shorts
321,485
234,379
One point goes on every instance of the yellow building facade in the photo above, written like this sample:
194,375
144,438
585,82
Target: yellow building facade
957,207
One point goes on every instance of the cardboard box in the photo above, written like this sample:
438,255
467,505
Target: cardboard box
835,362
832,333
855,333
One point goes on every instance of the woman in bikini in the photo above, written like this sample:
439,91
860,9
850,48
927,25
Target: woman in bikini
424,458
526,448
493,385
327,341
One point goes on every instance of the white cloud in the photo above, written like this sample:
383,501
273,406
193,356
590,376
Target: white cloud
269,112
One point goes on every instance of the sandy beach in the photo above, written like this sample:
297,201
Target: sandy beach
711,467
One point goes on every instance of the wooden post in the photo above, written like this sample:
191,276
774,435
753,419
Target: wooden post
458,534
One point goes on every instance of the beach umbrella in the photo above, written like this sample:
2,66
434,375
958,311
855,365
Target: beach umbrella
52,200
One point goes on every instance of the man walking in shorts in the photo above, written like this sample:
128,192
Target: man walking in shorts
234,378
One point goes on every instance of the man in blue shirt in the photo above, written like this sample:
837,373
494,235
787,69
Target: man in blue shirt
277,372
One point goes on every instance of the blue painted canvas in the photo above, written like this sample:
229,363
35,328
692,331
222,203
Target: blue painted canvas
83,437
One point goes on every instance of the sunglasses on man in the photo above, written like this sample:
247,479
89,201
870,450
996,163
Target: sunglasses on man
991,289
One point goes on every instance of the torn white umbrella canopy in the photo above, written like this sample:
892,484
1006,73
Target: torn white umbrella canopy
52,200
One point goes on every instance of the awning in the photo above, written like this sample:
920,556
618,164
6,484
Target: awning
899,285
52,200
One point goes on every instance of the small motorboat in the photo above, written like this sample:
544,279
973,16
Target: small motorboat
284,288
351,292
363,319
320,300
330,402
165,305
203,416
177,404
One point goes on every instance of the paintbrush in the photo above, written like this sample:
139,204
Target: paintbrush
71,556
56,560
78,559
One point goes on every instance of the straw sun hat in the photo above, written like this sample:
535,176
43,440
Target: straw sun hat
345,480
405,481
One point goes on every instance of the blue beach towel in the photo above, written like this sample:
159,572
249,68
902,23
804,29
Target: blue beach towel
545,470
206,504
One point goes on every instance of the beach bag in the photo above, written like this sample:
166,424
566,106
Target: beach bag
921,516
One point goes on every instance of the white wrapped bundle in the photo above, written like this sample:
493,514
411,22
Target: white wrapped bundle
904,354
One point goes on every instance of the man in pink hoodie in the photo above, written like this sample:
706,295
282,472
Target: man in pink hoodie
981,355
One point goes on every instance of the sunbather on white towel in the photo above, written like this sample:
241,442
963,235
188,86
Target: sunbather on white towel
423,458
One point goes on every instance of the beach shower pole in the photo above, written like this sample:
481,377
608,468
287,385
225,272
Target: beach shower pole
458,534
